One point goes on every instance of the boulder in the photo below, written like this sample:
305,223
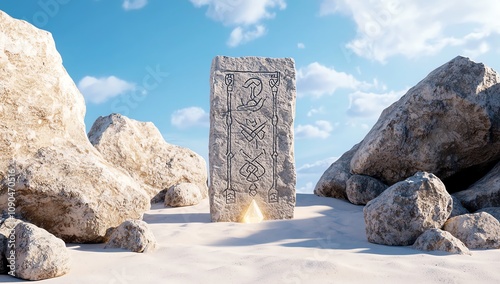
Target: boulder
63,183
448,124
183,194
405,210
333,181
439,240
133,235
39,255
458,208
476,231
493,211
361,189
483,193
139,149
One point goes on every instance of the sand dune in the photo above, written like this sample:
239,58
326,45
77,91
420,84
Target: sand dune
325,243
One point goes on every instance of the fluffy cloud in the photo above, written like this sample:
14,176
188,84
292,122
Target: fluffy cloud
241,36
317,166
301,45
189,117
414,28
99,90
321,129
315,111
317,80
371,105
244,15
134,4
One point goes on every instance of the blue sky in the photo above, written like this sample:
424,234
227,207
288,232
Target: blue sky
150,59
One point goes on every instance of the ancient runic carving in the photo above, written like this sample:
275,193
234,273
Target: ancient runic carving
251,137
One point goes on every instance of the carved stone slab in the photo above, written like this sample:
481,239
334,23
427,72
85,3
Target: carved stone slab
252,111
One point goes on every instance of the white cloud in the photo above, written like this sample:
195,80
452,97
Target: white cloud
189,117
99,90
473,53
317,166
240,35
321,129
301,45
134,4
414,28
244,15
317,80
315,111
371,105
307,188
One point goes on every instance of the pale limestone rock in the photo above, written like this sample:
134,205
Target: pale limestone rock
251,137
493,211
476,231
439,240
483,193
458,208
333,182
63,183
183,194
39,254
139,149
406,209
448,124
133,235
361,189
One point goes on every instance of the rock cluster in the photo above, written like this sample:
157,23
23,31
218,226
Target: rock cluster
442,137
133,235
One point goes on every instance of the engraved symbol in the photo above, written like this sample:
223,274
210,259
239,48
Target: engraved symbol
252,170
253,103
229,192
251,129
252,189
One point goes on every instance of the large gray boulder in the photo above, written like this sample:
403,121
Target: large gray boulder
333,182
63,183
476,231
448,124
405,210
183,194
38,254
133,235
439,240
139,149
361,189
483,193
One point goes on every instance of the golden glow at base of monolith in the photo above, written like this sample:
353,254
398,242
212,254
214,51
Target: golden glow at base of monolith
253,214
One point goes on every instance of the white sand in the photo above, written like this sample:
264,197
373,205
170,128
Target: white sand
325,243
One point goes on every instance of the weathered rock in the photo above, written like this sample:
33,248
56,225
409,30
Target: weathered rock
251,137
448,124
458,208
483,193
439,240
63,183
476,231
183,194
493,211
333,181
133,235
405,210
39,254
139,149
361,189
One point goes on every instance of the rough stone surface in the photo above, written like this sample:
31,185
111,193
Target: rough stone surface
476,231
483,193
333,182
439,240
251,137
361,189
183,194
139,148
133,235
448,124
405,210
493,211
458,208
63,183
39,254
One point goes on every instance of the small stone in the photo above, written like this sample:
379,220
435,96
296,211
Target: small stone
361,189
476,231
439,240
133,235
183,194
